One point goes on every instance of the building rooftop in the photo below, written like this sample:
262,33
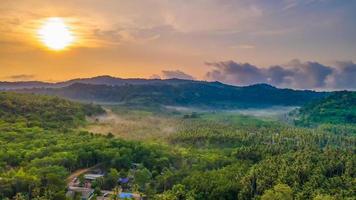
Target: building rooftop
124,180
93,176
86,193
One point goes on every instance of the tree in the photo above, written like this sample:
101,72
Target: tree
97,191
117,190
279,192
178,192
142,177
81,179
110,181
98,183
19,196
323,197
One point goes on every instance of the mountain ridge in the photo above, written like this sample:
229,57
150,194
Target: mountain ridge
175,92
117,81
96,80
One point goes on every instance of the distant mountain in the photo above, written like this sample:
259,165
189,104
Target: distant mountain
114,81
338,108
23,84
99,80
176,92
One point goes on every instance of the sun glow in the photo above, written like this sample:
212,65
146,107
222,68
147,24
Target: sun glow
55,34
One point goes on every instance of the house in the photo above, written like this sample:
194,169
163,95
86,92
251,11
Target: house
124,183
85,193
92,177
124,180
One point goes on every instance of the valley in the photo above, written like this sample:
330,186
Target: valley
177,100
174,152
158,124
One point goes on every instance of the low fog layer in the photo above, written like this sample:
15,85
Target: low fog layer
257,112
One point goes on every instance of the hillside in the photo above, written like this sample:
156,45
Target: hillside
179,92
339,108
37,154
44,111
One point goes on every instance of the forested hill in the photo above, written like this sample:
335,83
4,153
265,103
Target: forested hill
185,93
339,108
44,111
37,154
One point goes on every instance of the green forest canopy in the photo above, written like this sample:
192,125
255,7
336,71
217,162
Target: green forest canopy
244,158
339,108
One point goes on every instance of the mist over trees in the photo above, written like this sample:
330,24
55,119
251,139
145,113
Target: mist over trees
213,156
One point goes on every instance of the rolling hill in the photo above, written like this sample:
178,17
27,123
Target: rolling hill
53,111
175,92
338,108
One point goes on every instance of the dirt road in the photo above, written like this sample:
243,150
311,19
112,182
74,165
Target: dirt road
79,172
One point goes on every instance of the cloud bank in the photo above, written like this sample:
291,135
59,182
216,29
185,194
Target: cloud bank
21,77
167,74
295,74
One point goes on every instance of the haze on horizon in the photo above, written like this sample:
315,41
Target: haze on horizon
305,44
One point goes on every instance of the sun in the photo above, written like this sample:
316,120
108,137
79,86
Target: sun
55,34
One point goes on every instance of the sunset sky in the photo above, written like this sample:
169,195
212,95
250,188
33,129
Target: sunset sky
288,43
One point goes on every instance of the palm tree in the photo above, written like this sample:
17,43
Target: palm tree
117,192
